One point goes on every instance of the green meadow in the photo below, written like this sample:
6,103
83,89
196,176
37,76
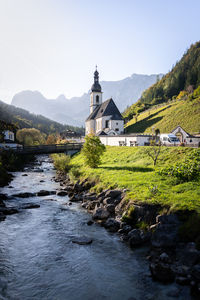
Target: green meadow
132,169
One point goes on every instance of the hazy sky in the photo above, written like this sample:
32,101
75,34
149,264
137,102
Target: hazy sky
53,45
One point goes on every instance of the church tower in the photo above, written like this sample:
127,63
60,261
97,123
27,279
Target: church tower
96,93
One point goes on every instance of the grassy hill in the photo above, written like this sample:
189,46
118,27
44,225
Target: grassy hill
131,168
21,118
166,117
179,83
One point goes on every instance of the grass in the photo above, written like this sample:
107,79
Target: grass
166,118
130,168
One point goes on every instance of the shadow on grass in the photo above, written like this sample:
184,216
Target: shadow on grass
131,169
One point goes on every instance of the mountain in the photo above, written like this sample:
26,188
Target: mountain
74,111
23,119
185,76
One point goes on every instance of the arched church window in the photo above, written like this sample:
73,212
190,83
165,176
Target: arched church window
97,99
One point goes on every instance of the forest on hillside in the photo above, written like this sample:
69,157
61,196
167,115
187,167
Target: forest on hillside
21,118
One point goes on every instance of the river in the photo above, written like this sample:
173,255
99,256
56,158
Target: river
39,261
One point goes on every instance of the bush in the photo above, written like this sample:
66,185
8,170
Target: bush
185,171
92,150
61,162
74,173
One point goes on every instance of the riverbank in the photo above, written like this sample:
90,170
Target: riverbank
172,258
128,196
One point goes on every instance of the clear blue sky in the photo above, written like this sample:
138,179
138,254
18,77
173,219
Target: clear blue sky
53,45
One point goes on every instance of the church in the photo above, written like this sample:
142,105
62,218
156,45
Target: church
104,118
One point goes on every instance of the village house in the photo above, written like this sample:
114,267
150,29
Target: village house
186,138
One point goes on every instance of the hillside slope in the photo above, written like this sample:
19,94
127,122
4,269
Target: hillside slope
184,76
23,119
166,117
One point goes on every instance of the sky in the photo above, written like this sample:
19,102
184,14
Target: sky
53,45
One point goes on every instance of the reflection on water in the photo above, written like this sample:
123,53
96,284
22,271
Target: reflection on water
39,261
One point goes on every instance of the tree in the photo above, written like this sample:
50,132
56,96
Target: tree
30,136
153,151
51,139
93,150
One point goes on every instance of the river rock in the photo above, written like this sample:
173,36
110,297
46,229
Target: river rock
135,237
30,206
82,240
165,236
182,280
24,174
45,193
108,200
24,195
3,196
125,229
62,193
173,292
113,193
90,222
2,217
8,211
188,255
196,272
100,214
112,225
111,208
162,272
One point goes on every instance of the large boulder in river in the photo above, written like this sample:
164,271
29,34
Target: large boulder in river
24,195
45,193
100,214
136,237
62,193
83,240
166,232
162,272
112,225
113,193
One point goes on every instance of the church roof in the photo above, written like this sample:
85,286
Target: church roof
107,108
101,133
93,114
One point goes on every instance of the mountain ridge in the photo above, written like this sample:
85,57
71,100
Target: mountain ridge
75,110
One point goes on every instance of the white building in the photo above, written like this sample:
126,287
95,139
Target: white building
186,138
126,140
104,118
9,136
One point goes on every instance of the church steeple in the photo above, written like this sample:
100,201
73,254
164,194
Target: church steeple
96,93
96,86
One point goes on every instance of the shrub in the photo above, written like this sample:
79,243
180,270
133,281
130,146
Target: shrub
185,171
92,150
129,215
74,173
61,162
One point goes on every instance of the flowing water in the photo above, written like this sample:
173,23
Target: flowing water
39,261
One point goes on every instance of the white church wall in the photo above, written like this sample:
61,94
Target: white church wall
124,140
90,127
